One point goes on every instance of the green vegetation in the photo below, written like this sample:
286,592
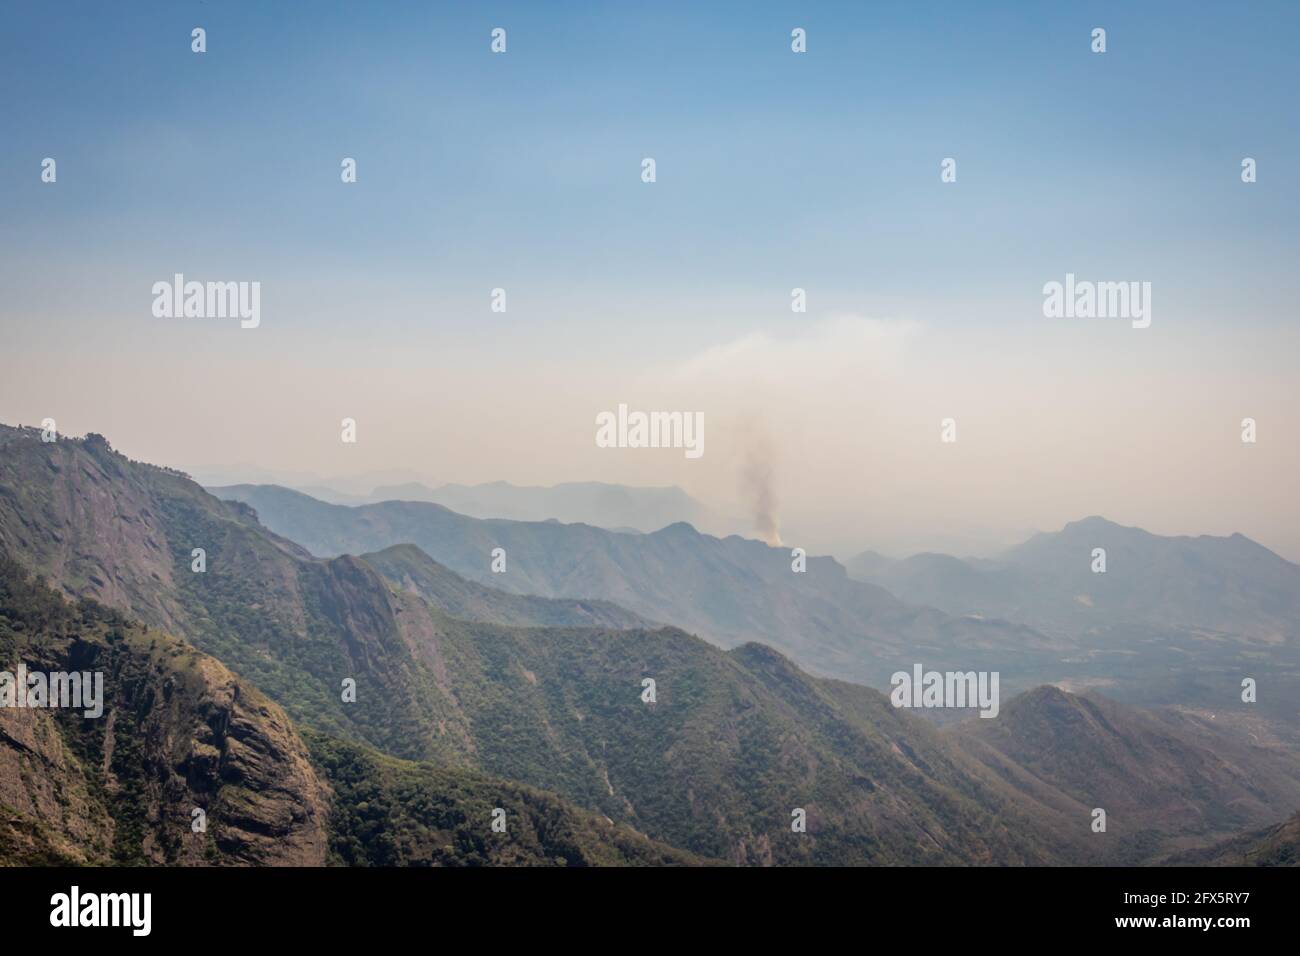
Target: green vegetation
409,568
735,741
389,812
119,789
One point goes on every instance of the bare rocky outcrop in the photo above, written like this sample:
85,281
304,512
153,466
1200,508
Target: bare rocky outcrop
179,732
45,804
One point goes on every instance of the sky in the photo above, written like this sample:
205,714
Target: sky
775,170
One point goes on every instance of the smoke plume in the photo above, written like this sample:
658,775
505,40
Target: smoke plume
758,488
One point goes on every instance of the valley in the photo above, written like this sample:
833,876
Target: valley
472,697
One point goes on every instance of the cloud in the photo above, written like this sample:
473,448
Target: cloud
829,353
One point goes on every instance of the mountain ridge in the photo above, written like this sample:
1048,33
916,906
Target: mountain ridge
730,590
735,741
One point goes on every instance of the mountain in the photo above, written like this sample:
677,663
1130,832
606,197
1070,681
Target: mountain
730,590
552,718
732,744
100,526
587,502
1171,621
335,497
390,812
862,566
1278,845
1231,586
735,742
178,732
407,567
1157,773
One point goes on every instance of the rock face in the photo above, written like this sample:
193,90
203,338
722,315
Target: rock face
179,732
94,524
47,814
82,516
482,712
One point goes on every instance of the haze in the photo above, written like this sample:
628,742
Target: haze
924,299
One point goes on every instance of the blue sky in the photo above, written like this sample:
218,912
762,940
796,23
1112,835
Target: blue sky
774,169
521,170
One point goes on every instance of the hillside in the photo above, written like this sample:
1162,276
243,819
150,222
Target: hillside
390,812
1172,621
1278,845
178,732
715,767
1230,585
97,525
735,741
1157,773
728,590
409,568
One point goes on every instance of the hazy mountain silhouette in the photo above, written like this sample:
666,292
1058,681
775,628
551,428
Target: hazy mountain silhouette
586,502
1231,585
729,590
1172,620
734,742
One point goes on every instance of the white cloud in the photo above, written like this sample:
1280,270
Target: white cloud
834,352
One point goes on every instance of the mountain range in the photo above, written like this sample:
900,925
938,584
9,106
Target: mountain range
728,590
472,695
1040,616
1170,620
617,507
587,502
1228,586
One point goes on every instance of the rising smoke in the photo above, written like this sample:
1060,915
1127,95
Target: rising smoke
758,488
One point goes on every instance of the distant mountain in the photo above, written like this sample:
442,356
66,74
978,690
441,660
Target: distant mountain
734,742
407,567
344,489
730,590
588,502
862,566
549,722
1171,621
1228,585
332,496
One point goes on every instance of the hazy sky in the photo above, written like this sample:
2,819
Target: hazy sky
775,170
